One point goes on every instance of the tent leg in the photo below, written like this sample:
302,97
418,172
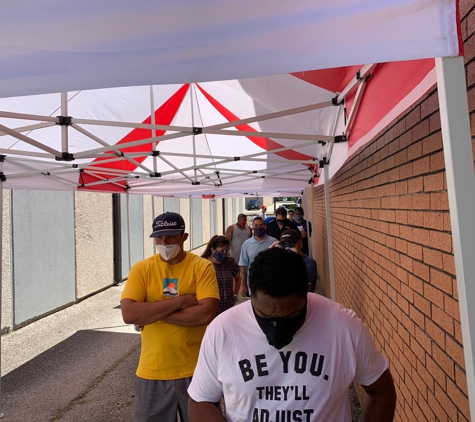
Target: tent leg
1,272
329,233
460,175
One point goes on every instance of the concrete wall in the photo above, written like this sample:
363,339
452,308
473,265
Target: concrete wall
93,241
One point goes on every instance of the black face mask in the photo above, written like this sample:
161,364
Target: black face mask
280,331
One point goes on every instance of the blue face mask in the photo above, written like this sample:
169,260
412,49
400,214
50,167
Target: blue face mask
220,256
259,231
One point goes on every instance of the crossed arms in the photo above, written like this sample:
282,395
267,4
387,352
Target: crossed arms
184,311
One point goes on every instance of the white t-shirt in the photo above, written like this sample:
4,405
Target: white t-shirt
305,381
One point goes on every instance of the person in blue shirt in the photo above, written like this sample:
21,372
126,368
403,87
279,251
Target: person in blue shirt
260,241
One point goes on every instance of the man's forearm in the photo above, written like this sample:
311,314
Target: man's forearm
204,412
195,316
143,313
244,287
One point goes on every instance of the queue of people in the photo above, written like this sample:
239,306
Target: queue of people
283,341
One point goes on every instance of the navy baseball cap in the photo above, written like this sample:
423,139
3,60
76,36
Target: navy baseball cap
290,236
168,224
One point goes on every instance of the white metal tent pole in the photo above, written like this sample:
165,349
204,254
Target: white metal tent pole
1,259
128,228
193,136
64,128
154,131
329,230
153,218
460,175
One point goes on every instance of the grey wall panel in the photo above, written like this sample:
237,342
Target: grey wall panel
94,242
196,223
171,204
136,231
6,261
43,252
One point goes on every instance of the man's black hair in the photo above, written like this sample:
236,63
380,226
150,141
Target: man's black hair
281,211
299,209
278,273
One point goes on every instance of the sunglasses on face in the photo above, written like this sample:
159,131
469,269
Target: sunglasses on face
287,245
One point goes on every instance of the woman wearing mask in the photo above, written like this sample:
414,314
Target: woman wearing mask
227,271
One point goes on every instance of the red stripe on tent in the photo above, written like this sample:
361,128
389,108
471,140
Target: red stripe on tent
163,116
459,27
383,92
263,142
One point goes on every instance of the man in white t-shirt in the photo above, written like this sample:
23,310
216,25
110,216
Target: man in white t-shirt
287,355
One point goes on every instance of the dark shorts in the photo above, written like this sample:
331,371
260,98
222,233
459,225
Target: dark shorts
161,401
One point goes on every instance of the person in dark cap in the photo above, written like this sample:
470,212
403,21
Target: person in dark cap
172,296
292,239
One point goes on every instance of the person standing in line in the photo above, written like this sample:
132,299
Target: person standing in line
227,271
281,223
292,239
304,227
262,214
288,355
291,215
250,248
237,234
172,296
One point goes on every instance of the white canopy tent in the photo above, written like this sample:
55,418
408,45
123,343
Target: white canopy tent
209,98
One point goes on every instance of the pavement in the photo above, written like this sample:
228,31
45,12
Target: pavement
76,365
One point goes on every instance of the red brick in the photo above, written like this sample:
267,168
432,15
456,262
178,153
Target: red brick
434,220
452,308
422,304
439,201
415,185
422,236
422,271
448,263
437,161
441,240
455,350
432,257
430,105
441,281
434,122
414,150
436,333
432,143
421,130
421,201
414,251
415,218
444,320
460,400
434,295
421,166
434,182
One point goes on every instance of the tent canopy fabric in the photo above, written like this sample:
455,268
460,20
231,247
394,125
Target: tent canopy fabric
203,98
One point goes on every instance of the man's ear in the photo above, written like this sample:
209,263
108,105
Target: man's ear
185,237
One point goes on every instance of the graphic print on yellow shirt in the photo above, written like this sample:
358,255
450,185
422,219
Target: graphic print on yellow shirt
170,287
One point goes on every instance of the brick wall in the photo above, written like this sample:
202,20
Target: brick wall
393,256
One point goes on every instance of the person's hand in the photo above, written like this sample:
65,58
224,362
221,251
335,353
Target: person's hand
243,290
275,245
235,298
187,301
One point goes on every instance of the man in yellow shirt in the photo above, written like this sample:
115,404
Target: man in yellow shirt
173,295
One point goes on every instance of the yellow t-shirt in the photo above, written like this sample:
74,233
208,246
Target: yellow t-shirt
170,351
